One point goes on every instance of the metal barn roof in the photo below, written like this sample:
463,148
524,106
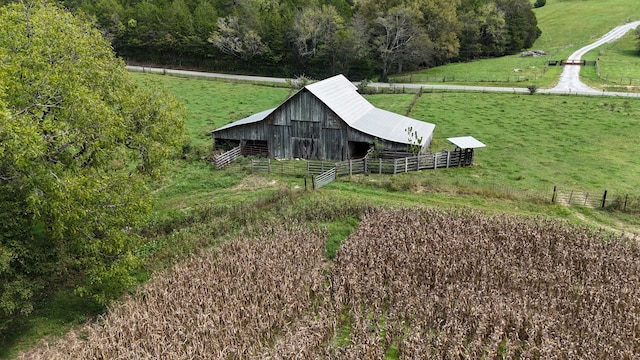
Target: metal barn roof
466,142
248,120
342,97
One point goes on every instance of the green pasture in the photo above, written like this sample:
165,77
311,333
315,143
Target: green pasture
533,141
212,104
566,25
536,142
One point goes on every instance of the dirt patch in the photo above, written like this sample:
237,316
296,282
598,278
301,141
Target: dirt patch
255,182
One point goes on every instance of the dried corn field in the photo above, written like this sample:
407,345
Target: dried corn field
408,284
229,304
459,284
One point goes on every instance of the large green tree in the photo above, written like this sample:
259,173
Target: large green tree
79,143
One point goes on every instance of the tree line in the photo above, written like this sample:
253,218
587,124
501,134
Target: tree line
359,38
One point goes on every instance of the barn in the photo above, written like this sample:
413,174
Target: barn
327,120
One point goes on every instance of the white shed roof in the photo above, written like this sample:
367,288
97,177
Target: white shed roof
342,97
466,142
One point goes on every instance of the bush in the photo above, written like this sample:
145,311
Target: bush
539,3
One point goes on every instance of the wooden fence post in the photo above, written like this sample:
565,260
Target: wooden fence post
379,166
624,207
604,198
448,158
269,165
553,197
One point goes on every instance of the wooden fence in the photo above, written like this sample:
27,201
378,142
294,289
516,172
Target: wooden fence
323,179
388,164
577,197
226,158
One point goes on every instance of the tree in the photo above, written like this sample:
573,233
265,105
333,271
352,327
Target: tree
493,31
521,24
233,39
79,142
440,19
399,39
315,27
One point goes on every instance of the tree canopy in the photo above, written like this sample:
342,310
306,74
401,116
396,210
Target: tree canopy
315,37
79,142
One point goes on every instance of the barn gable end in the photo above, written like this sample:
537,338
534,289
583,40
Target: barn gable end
326,120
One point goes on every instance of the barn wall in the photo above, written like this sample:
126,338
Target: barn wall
358,136
304,127
254,131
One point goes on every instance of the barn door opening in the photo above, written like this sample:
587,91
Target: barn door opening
255,147
358,150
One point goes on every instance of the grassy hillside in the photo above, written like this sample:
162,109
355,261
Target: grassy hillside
566,25
569,25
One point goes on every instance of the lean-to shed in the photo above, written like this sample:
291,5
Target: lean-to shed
327,120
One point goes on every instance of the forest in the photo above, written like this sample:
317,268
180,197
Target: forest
315,38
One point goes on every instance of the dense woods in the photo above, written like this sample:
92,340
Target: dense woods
318,38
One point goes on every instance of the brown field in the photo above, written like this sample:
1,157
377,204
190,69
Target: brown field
408,284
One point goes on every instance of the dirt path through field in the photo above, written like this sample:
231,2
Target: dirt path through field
633,233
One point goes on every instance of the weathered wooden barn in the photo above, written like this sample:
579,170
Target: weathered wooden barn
327,120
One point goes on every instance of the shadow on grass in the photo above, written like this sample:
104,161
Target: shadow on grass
53,316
